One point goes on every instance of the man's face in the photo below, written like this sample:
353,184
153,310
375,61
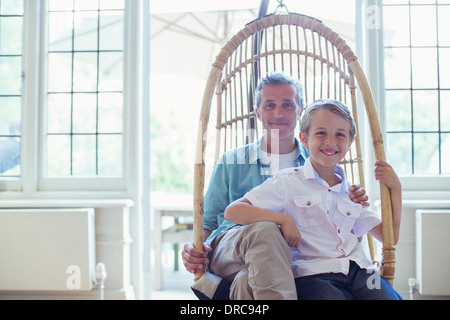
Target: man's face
279,109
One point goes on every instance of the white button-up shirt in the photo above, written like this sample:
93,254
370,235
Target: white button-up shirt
329,222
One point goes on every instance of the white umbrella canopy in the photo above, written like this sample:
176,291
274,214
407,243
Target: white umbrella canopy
187,35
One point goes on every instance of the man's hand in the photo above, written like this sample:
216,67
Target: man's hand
358,195
194,259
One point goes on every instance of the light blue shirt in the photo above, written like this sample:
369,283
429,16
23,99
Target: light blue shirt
236,172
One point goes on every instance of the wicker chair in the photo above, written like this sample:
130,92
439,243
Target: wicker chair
308,50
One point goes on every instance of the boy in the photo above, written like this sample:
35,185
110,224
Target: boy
315,215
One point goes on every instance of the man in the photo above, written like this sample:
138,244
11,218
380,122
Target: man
254,258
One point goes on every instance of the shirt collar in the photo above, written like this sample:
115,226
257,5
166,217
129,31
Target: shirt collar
255,155
311,173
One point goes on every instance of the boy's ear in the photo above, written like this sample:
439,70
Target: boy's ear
303,140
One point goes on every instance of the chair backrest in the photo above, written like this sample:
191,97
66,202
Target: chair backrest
327,68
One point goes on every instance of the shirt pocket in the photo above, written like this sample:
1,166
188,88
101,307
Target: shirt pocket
347,214
307,211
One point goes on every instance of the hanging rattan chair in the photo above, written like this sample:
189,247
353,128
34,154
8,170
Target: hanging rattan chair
327,68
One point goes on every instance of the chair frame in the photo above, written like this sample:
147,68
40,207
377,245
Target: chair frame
255,29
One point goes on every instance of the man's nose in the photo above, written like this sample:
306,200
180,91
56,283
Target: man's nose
278,111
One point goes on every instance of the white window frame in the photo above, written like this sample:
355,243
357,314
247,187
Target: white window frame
33,149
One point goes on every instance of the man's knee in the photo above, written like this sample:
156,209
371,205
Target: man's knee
265,232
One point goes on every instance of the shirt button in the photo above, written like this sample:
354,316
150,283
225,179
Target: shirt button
339,230
308,203
349,213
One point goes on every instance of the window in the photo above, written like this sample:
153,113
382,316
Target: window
417,85
68,109
84,88
11,22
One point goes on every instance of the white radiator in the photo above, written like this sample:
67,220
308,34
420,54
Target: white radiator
47,249
432,251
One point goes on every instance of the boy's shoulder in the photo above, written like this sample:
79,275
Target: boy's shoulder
290,171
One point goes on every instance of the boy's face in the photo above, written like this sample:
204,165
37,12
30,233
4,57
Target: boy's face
328,139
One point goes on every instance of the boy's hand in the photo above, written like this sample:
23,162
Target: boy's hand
386,174
290,232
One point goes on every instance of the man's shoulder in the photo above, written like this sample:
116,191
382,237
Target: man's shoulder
240,155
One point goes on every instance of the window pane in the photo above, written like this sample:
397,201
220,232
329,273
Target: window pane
59,113
84,72
60,31
423,26
401,159
444,25
426,153
58,155
423,1
397,68
445,147
84,113
11,7
398,110
9,156
10,115
12,84
60,5
60,72
110,112
86,24
426,115
424,68
444,67
112,4
86,5
396,25
111,31
11,35
110,155
84,155
445,111
110,73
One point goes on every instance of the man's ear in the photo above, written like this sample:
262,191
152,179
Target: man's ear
303,140
257,113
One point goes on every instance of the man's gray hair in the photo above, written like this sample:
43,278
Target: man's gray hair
278,78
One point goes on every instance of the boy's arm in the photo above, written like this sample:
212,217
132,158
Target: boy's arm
243,212
386,174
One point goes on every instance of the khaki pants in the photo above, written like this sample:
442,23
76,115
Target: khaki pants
257,260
